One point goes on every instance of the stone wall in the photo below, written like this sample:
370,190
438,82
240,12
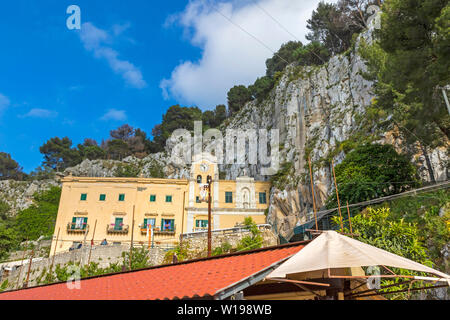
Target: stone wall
103,255
198,240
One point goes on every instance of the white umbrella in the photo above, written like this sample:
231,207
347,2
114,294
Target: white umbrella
332,250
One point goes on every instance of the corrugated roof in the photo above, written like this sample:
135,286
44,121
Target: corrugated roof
191,279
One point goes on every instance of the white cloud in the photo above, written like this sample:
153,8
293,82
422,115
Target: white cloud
40,113
114,114
231,56
4,103
97,41
118,29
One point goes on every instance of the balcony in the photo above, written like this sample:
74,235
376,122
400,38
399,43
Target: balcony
77,228
167,231
144,230
112,228
200,229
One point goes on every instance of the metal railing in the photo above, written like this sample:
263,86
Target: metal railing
161,230
117,229
225,231
74,227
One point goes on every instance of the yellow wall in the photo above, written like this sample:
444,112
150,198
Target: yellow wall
137,193
100,214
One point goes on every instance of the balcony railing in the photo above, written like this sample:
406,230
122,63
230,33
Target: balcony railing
165,230
198,229
117,229
77,228
144,230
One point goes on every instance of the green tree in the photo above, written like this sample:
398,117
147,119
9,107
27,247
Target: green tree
282,58
261,88
377,228
314,53
139,258
8,240
9,168
208,119
127,170
255,240
372,171
39,219
117,149
90,150
331,26
238,96
410,64
220,114
59,154
4,210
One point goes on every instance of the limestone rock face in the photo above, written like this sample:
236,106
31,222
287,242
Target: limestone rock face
315,109
153,166
19,194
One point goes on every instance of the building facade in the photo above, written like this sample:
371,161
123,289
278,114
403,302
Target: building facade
102,210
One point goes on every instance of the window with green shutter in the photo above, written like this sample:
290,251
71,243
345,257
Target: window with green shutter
102,197
228,197
201,223
83,197
167,224
262,198
149,222
118,224
197,199
153,198
168,198
122,197
78,223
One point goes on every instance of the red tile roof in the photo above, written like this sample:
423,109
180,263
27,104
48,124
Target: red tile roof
191,279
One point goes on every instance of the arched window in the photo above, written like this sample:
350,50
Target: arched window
199,179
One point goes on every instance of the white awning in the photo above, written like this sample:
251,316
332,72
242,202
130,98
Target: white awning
333,250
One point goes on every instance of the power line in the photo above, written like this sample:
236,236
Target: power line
284,28
251,35
275,20
437,186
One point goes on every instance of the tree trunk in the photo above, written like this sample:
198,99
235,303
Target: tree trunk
429,165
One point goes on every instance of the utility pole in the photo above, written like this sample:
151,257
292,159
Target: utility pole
29,269
92,243
312,192
337,196
182,220
132,233
209,215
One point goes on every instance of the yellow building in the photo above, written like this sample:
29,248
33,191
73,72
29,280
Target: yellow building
103,208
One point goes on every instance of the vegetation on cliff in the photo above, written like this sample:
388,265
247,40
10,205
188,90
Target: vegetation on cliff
31,223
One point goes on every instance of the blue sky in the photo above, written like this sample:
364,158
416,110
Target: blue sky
130,62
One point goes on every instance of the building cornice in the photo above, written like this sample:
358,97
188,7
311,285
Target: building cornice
124,180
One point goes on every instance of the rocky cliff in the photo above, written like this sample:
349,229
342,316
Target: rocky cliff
317,110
